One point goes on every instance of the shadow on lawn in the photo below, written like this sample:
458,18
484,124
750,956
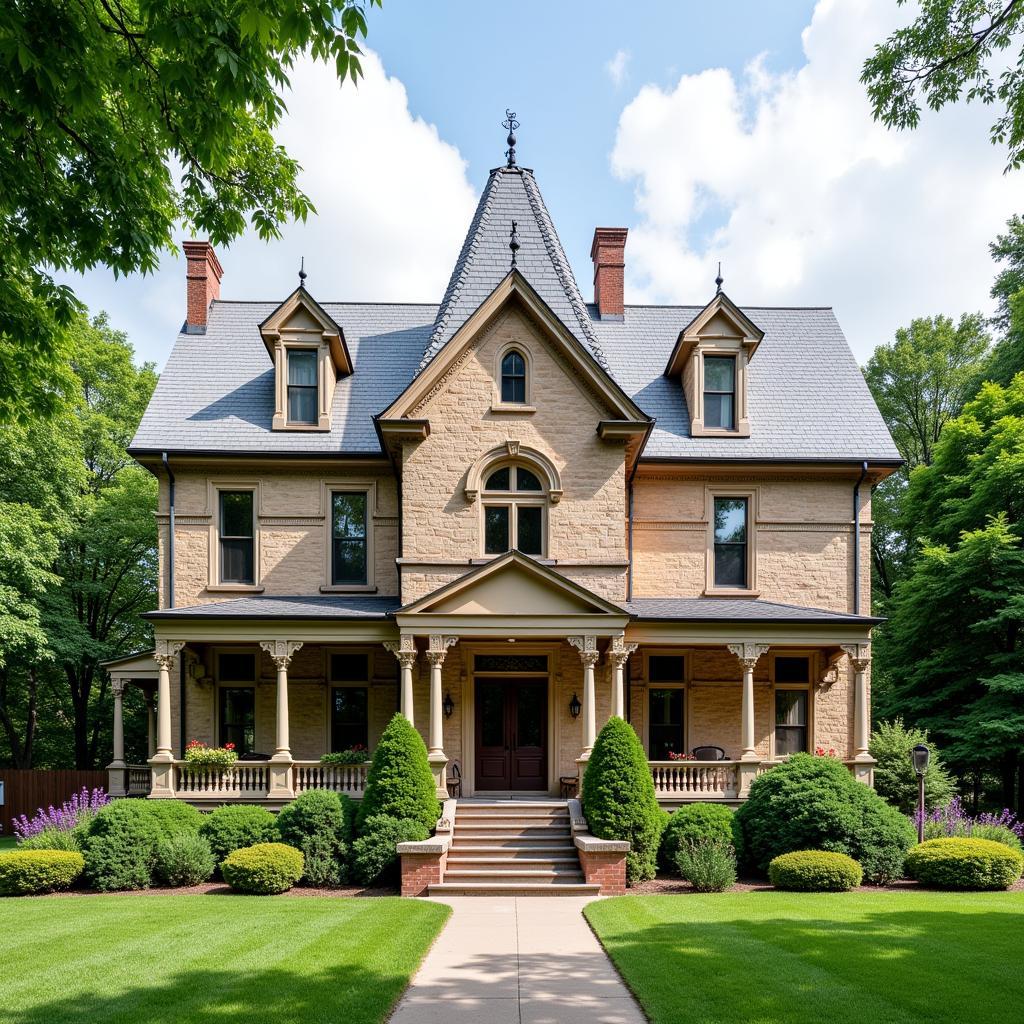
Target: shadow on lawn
938,966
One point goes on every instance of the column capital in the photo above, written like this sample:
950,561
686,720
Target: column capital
587,646
438,647
281,651
166,651
118,686
748,653
404,649
859,655
619,651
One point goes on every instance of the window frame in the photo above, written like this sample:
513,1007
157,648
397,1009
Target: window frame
236,684
512,377
750,495
514,499
498,403
693,386
289,351
352,486
683,683
705,390
339,683
215,583
807,688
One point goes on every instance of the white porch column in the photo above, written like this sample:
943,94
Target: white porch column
437,649
116,781
618,655
150,724
405,651
162,762
860,661
281,653
748,654
587,646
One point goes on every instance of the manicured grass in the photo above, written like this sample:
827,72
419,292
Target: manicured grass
8,843
152,959
798,958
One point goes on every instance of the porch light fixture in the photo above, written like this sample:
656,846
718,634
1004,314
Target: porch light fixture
920,756
575,707
448,705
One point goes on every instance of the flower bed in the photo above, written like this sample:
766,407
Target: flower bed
73,812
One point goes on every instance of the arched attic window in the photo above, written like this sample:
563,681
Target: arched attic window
513,378
515,509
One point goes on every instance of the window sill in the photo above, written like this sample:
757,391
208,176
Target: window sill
235,588
303,427
730,592
504,407
349,588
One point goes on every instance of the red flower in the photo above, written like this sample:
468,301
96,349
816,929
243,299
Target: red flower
229,746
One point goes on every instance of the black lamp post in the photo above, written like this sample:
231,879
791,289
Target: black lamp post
920,756
448,705
575,707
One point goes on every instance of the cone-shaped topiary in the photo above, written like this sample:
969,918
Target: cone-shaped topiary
400,783
618,797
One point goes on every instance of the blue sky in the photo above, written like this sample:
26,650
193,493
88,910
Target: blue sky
734,130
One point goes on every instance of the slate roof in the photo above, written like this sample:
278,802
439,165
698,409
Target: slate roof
316,606
735,609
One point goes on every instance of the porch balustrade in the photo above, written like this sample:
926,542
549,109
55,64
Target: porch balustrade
695,780
243,780
139,780
349,779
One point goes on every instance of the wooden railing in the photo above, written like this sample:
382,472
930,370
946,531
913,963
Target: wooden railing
138,780
695,780
245,779
349,779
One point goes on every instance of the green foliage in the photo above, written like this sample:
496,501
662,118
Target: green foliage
184,859
56,839
814,803
263,869
618,797
895,779
1008,291
709,864
120,846
319,823
814,871
692,823
953,49
137,118
235,826
964,864
996,834
27,872
399,783
374,857
171,817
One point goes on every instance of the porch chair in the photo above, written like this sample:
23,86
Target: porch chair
454,781
709,754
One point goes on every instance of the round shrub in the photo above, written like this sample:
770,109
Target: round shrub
374,857
172,817
120,846
693,823
236,826
967,864
400,783
618,797
319,823
27,872
263,869
184,859
814,803
814,871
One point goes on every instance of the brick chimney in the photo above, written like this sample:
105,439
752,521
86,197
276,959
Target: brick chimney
608,251
203,275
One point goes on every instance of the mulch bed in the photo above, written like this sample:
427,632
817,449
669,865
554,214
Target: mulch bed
665,885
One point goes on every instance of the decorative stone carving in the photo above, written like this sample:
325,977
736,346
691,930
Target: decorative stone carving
404,650
281,651
859,654
438,648
587,646
748,653
165,652
619,651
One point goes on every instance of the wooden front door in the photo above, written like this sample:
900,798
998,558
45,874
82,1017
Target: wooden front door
511,734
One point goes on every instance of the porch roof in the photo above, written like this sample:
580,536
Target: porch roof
313,606
735,609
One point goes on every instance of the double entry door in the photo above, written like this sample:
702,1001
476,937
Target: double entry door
511,734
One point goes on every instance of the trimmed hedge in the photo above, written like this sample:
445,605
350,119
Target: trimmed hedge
814,803
374,857
319,823
618,797
400,783
27,872
237,826
171,817
184,859
814,871
694,823
264,869
964,864
120,846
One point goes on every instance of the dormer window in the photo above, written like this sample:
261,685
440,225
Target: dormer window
513,378
302,386
720,392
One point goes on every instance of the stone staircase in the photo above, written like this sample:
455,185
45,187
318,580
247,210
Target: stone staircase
512,848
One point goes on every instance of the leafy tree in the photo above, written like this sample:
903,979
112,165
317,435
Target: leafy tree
953,49
124,120
895,779
1008,291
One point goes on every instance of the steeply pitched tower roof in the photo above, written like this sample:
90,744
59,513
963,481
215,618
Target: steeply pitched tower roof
511,194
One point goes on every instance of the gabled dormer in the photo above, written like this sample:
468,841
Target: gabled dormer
711,357
309,353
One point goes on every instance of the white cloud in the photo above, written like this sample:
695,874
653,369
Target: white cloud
806,200
393,204
618,67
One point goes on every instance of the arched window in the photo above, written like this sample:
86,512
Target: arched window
513,378
514,510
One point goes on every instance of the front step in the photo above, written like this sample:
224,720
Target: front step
464,859
513,889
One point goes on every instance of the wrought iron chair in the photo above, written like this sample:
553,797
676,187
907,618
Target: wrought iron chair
253,756
709,753
454,781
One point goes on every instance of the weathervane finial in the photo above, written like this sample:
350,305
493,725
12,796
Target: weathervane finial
511,124
513,243
302,273
719,281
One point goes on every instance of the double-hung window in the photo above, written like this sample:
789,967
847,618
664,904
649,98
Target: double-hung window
349,547
514,506
302,386
730,543
350,701
513,378
236,701
237,541
792,676
720,392
666,706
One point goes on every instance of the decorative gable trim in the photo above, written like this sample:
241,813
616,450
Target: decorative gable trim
700,329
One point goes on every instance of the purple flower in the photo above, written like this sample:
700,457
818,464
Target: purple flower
63,818
954,820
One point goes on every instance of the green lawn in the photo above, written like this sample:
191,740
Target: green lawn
7,843
152,959
794,958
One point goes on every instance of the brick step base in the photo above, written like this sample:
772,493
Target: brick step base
513,889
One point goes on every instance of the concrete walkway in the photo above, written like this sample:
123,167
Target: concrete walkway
517,960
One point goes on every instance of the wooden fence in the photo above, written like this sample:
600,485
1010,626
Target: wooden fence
27,789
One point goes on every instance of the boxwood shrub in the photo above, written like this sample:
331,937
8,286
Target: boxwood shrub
694,823
171,817
374,857
263,869
814,803
618,797
120,846
27,872
319,823
236,826
400,783
966,864
814,871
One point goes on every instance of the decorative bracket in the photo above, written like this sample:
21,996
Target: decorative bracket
859,654
748,653
281,651
619,651
166,651
587,646
438,647
404,650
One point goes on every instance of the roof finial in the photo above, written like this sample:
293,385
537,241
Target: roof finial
302,273
511,124
513,243
719,281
